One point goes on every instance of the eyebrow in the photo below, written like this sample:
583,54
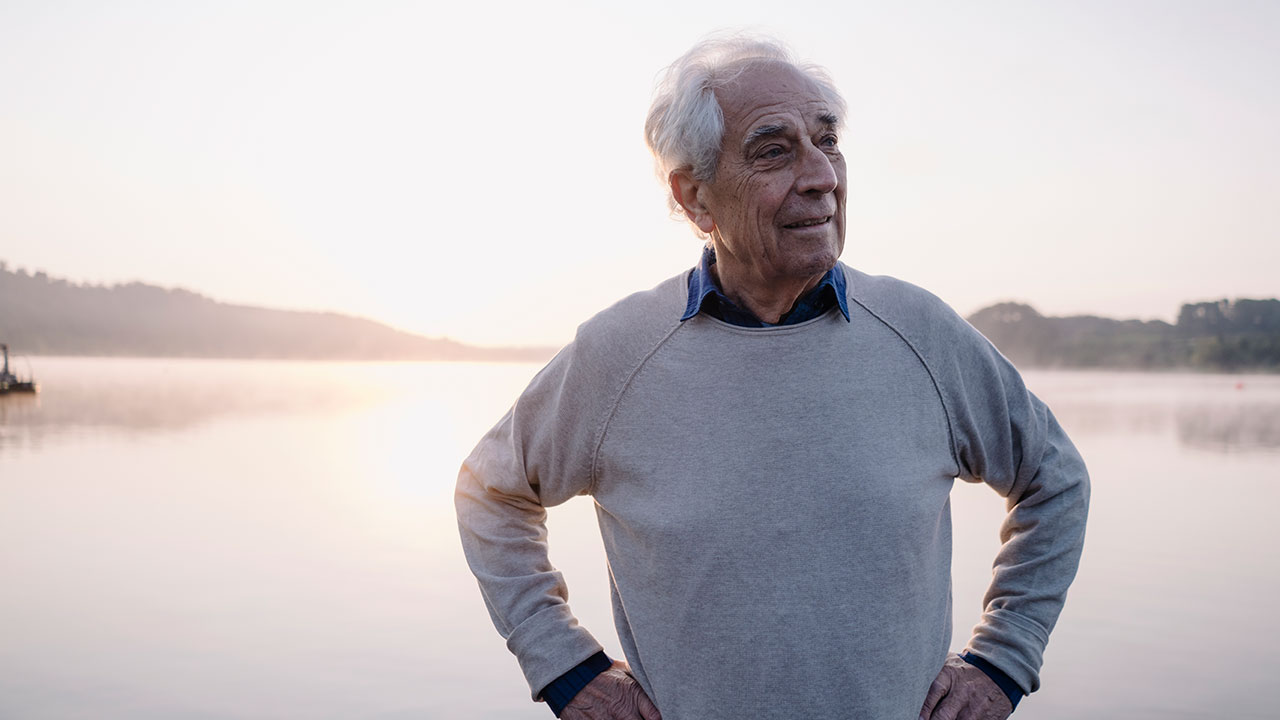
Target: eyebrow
830,120
763,131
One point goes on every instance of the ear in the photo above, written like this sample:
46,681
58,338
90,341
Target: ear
689,193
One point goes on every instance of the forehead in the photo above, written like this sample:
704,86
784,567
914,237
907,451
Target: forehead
767,92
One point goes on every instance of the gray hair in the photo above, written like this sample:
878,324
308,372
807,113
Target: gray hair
685,126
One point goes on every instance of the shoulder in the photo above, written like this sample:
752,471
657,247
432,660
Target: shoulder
627,331
921,318
562,414
591,371
577,392
991,413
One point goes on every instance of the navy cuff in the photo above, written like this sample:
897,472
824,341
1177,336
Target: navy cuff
567,686
997,676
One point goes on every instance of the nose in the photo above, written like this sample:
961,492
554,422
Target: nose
817,171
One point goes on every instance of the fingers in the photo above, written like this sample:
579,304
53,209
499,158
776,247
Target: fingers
937,691
949,708
648,711
645,706
612,695
965,700
973,709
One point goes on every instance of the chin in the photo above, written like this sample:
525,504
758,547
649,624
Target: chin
813,265
823,259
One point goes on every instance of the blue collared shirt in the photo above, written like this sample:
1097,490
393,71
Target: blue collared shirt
705,297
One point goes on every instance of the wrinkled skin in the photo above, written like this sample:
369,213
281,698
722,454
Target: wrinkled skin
775,209
963,692
613,695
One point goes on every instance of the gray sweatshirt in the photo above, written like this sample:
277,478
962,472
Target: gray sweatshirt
774,504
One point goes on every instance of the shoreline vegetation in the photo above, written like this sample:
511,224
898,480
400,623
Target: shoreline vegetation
1232,336
43,315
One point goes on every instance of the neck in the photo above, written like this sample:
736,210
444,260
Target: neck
767,298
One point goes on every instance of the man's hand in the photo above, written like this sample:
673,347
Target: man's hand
963,692
612,695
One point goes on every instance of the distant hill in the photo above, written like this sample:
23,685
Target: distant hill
40,315
1225,335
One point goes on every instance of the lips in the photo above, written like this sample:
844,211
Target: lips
808,222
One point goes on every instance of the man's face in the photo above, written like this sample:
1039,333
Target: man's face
777,201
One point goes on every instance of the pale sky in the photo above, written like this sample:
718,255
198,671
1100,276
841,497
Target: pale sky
477,170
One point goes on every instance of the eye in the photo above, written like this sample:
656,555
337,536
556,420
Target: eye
770,152
829,141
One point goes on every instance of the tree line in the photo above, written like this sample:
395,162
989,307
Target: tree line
1224,336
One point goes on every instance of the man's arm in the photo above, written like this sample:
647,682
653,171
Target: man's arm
1004,436
541,454
1046,487
1009,439
537,456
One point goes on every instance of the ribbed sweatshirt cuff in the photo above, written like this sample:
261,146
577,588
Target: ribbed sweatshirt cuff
567,686
997,676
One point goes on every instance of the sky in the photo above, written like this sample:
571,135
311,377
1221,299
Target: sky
478,170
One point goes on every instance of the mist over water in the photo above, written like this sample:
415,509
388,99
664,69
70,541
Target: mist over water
224,539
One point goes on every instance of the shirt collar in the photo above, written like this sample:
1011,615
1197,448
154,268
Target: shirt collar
704,291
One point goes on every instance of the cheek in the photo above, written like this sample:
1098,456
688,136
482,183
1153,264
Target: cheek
770,206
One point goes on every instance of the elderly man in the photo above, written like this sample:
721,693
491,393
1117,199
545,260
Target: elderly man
770,441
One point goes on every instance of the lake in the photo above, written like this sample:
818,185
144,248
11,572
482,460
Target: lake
225,539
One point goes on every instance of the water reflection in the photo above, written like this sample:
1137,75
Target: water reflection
292,551
1217,413
1230,429
89,395
233,540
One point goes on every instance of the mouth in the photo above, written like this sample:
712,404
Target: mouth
808,222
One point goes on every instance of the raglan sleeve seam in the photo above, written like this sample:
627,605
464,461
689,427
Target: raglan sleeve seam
933,378
603,427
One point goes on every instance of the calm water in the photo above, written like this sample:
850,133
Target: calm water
212,539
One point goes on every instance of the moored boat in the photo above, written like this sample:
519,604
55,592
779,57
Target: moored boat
10,383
